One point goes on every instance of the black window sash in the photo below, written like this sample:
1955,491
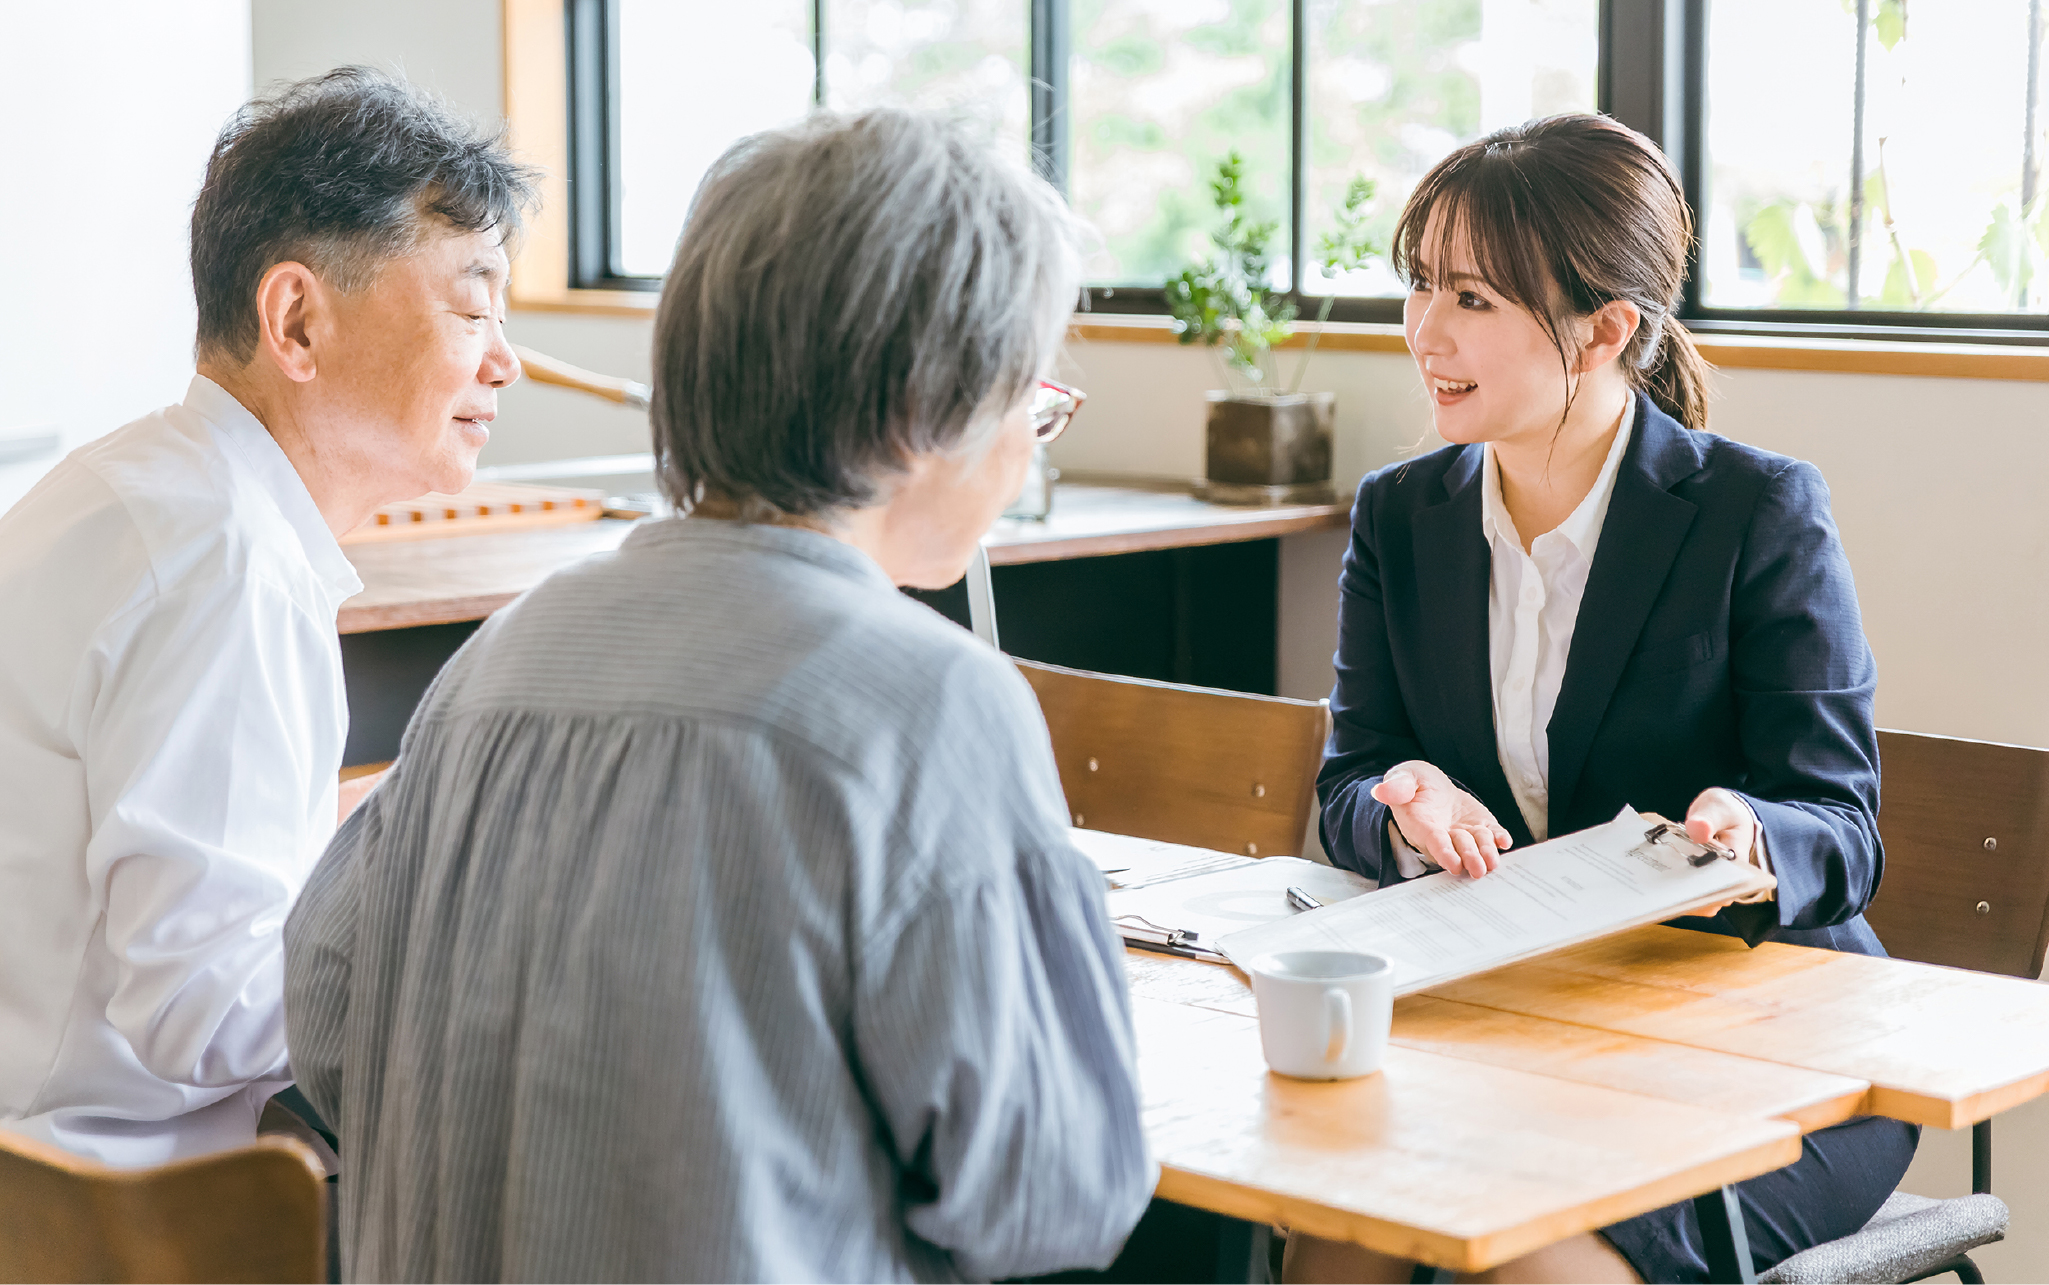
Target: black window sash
1650,76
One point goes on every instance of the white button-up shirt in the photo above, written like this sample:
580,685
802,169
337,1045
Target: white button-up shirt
1532,606
171,725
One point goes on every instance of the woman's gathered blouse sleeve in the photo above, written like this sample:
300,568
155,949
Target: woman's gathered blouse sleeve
1803,680
1370,727
992,1023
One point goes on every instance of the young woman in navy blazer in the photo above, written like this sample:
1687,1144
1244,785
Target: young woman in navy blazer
1713,667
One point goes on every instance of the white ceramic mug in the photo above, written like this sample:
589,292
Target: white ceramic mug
1323,1014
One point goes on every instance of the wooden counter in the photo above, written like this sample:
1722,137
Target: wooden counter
458,578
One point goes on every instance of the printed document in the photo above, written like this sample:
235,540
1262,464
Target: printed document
1169,892
1627,873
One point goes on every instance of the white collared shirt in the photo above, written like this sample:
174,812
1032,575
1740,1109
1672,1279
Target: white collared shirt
1532,607
171,725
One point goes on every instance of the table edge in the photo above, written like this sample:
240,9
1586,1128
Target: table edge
1476,1253
1023,552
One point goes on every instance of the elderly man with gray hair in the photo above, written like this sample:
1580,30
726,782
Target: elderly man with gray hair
720,920
171,706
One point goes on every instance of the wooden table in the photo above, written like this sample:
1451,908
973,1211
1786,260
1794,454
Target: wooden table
467,577
1556,1096
1458,1163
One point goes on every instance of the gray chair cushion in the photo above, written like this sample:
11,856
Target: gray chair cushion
1907,1236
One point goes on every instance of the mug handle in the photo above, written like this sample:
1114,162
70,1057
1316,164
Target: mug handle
1337,1017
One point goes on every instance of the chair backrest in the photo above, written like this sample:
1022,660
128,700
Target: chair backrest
253,1214
1181,764
1966,832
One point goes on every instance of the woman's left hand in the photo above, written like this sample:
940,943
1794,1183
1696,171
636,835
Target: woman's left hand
1718,816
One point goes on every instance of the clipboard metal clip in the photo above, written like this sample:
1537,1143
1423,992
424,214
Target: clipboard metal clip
1138,926
1708,852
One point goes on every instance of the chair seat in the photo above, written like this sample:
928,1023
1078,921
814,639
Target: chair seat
1909,1235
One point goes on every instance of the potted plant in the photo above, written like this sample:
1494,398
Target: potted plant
1265,445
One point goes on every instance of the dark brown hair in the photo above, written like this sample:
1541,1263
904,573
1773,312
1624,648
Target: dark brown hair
1562,216
341,172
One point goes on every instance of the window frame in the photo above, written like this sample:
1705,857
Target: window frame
1650,75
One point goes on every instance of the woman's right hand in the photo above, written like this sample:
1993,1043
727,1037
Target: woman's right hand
1440,820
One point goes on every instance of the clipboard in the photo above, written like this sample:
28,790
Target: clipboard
1632,871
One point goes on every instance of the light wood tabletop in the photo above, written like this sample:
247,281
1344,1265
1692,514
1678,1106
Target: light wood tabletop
458,578
1561,1050
1939,1046
1557,1069
1093,518
467,577
1452,1162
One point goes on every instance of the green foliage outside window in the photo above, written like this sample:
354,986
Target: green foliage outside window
1152,96
1802,247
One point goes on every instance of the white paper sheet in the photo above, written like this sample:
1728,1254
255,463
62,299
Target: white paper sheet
1204,893
1570,889
1129,862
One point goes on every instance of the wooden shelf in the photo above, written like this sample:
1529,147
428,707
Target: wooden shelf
443,581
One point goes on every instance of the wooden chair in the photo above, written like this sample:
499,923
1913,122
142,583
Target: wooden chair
1966,831
254,1214
1182,764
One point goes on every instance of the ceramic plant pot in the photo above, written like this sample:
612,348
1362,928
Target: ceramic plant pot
1269,450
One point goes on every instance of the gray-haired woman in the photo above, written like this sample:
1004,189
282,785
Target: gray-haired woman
719,921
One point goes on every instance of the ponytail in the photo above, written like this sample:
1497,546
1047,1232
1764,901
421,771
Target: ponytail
1676,376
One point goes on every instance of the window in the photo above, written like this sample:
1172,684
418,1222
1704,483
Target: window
1158,92
672,124
1393,87
659,89
1131,122
1822,142
1857,164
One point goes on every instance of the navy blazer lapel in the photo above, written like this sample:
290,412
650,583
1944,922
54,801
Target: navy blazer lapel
1453,574
1640,539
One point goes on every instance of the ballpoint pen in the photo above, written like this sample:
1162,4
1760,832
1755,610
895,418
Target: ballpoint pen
1301,900
1185,952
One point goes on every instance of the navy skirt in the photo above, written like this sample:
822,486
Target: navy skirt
1841,1178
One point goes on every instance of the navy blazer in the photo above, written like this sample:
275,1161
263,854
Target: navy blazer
1718,643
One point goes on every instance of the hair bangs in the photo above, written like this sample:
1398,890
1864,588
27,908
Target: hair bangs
1478,216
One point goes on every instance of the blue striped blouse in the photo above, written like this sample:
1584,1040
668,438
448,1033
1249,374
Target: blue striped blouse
719,922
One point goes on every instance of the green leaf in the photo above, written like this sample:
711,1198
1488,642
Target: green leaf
1891,22
1229,185
2005,247
1924,270
1348,246
1902,293
1772,239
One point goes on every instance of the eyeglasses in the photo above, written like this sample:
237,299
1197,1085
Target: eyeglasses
1053,408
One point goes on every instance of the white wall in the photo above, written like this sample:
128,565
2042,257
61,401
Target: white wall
105,143
1935,485
454,47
